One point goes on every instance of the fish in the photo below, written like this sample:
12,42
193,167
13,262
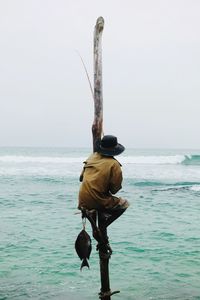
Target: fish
83,246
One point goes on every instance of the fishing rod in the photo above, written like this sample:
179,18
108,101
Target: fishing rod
89,81
88,78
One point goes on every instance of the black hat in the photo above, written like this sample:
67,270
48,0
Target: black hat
109,146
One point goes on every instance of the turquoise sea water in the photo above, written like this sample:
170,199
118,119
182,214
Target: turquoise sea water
156,243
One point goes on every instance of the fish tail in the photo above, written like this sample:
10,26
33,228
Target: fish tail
84,264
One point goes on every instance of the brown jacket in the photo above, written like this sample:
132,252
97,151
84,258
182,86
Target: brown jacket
101,177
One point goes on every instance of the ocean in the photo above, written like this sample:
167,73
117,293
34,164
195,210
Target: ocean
156,243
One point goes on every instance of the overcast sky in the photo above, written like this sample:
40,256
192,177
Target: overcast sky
151,72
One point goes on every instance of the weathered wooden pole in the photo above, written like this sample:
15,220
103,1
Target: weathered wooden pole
97,133
98,90
97,126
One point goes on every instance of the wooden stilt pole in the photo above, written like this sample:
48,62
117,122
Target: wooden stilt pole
104,250
97,133
98,90
104,257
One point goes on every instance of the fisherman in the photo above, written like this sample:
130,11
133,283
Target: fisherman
101,177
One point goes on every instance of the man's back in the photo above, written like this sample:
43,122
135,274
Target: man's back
101,176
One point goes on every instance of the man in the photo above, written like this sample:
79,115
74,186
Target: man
101,178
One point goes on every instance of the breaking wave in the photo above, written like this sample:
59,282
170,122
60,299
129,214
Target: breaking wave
192,160
179,187
153,160
40,159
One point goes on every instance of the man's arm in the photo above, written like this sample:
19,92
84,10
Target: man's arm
81,176
115,178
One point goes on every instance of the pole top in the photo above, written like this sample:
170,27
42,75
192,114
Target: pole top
99,24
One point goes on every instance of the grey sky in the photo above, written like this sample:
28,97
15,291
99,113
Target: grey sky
151,72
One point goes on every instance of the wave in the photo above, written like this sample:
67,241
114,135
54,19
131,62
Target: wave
40,159
153,160
165,185
162,159
184,186
191,160
194,188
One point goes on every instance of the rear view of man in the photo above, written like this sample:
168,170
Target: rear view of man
102,178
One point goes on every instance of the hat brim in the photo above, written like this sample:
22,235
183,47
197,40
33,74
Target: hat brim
113,151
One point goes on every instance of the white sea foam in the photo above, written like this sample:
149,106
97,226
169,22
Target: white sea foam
40,159
173,159
195,188
155,160
137,167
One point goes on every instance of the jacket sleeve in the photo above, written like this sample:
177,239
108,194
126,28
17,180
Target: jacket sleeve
115,178
82,173
81,176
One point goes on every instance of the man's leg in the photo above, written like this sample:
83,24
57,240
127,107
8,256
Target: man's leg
108,216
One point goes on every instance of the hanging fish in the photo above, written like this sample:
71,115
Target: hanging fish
83,247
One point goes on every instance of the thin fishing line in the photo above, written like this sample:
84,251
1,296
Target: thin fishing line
86,74
91,89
